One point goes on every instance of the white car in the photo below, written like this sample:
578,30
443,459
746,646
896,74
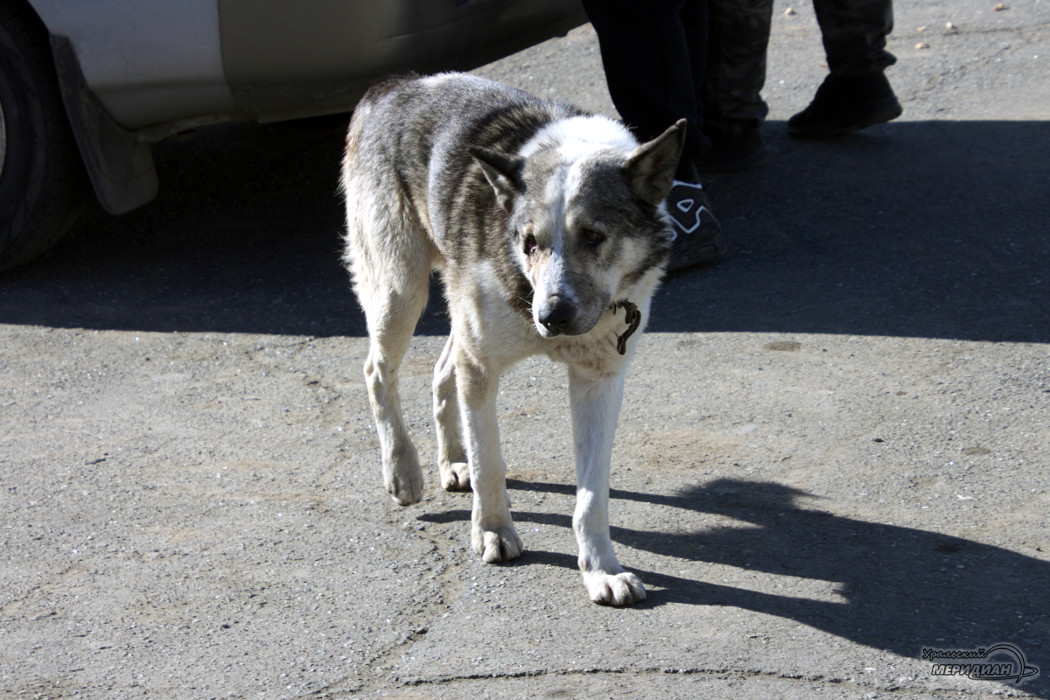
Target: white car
87,85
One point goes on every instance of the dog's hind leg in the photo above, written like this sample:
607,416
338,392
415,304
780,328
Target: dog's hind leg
390,260
402,474
452,457
595,398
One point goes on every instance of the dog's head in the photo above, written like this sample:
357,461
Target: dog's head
586,215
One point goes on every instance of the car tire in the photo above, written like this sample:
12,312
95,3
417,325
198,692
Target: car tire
43,185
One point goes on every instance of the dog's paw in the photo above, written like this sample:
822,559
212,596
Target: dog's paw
405,491
405,484
455,476
614,589
502,544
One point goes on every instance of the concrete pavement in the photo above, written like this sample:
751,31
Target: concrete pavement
833,451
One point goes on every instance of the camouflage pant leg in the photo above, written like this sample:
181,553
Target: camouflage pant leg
854,33
736,65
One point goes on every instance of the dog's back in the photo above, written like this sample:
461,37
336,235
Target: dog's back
408,135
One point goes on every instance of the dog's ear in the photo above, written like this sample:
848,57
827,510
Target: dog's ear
651,167
503,173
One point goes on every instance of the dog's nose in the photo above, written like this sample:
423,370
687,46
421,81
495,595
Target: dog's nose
558,314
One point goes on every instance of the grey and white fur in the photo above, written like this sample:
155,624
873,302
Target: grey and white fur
549,229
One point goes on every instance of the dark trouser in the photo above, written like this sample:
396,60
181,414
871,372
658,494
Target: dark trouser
654,53
736,65
705,60
854,33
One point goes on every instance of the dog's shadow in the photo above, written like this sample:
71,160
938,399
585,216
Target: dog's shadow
898,589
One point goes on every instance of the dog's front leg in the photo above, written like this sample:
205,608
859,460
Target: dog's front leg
595,398
492,533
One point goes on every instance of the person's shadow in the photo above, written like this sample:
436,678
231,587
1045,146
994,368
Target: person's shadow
903,589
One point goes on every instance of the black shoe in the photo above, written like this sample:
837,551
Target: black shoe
698,237
846,104
733,152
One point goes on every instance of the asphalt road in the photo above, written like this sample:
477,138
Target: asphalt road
833,451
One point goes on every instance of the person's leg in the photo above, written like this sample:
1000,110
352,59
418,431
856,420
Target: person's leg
649,68
731,95
854,34
654,54
856,93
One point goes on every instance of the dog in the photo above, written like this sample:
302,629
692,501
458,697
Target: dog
550,233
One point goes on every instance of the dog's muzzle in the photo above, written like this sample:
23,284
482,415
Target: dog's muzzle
557,316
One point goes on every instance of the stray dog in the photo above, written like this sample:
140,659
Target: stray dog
549,229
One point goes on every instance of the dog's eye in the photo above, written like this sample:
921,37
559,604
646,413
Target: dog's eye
593,237
530,244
